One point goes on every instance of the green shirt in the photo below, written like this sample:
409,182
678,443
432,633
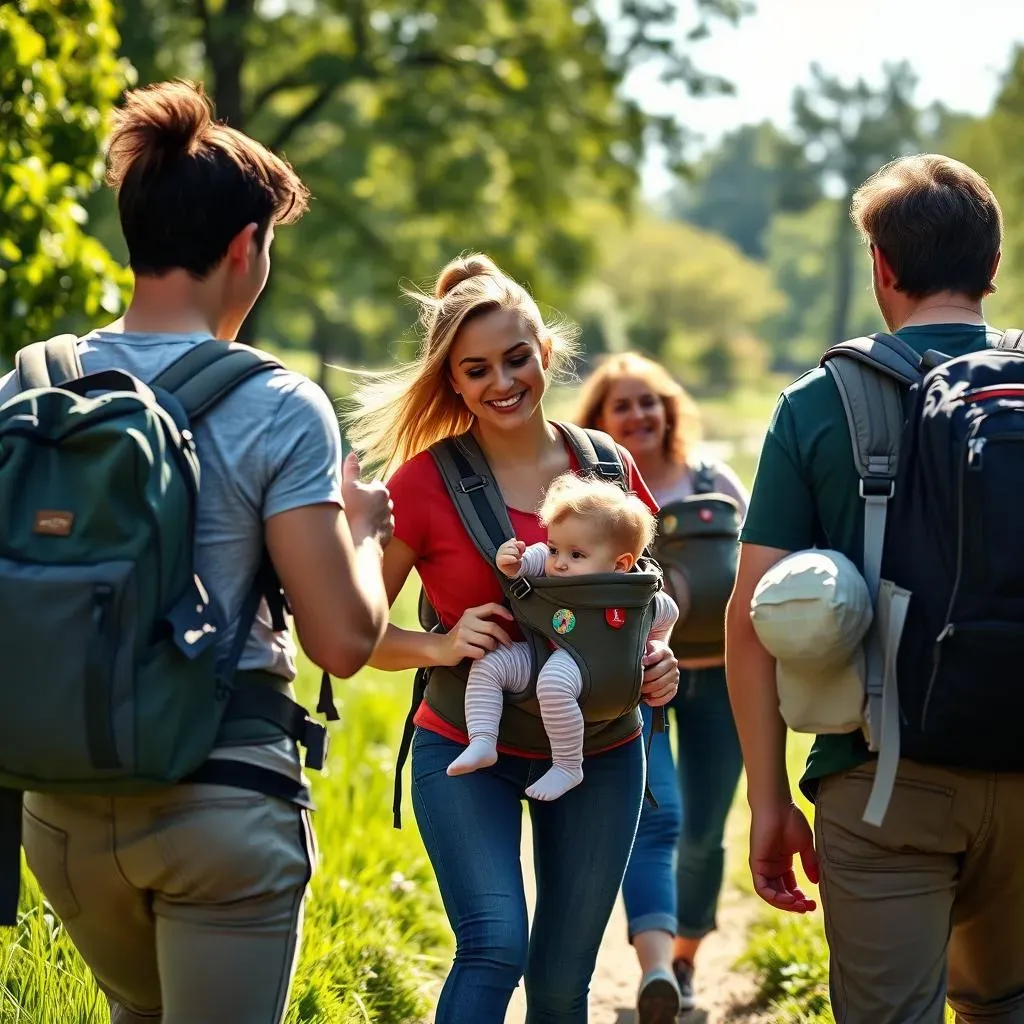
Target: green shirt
805,492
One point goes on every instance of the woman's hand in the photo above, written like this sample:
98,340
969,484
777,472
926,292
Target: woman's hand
475,634
661,674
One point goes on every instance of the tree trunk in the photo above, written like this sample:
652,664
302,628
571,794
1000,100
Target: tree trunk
844,272
224,40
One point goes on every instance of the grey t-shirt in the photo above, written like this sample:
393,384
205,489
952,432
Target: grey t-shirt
272,445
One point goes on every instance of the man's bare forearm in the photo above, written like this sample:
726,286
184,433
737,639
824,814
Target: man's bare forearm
750,671
402,649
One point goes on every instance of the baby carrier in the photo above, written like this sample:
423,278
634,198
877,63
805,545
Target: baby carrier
697,548
600,620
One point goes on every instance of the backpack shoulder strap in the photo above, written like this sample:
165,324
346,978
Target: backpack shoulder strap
208,372
1011,339
595,451
44,364
470,484
872,375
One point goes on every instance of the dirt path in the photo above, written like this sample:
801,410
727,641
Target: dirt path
723,994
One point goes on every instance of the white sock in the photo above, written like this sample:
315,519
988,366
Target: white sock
482,752
554,782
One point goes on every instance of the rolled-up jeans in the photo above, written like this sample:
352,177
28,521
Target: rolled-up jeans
675,871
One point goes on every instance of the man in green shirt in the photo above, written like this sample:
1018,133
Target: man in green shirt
930,905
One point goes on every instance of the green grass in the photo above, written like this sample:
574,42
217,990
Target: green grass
375,937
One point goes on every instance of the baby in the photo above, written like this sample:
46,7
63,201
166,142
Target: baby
593,527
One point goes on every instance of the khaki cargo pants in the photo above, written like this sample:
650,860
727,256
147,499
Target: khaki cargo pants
186,904
929,905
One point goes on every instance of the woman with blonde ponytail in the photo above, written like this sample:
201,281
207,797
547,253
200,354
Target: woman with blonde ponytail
484,364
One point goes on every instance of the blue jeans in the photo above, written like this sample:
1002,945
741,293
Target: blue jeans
674,876
472,826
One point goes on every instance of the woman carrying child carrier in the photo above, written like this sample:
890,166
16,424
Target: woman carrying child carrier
484,366
674,878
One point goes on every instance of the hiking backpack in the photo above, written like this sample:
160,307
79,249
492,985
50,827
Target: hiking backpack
697,547
939,448
112,680
576,614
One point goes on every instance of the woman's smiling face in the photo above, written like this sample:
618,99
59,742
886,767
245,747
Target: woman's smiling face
635,416
497,365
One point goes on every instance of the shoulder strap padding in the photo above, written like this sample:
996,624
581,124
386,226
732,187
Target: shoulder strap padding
595,451
870,375
1011,339
208,372
45,364
474,493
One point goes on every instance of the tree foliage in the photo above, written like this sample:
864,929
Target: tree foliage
59,75
755,172
682,294
845,133
424,128
994,146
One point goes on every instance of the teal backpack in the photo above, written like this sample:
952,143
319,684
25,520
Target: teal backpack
112,681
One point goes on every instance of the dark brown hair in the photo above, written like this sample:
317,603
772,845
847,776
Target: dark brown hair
937,223
186,184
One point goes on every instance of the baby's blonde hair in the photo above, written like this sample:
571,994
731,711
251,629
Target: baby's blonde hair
624,517
402,412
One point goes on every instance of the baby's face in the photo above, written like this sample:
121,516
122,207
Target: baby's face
576,548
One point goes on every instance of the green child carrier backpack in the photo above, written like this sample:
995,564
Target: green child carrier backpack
576,614
114,682
697,547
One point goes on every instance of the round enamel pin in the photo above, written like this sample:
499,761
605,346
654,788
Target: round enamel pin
669,524
615,617
563,621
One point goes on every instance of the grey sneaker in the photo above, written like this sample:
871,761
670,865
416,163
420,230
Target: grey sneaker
683,970
658,1000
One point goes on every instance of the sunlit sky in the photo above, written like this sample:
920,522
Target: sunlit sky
959,49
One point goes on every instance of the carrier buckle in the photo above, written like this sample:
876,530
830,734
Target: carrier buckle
520,588
472,483
608,470
876,487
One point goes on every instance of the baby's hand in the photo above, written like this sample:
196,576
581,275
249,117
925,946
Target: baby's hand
510,556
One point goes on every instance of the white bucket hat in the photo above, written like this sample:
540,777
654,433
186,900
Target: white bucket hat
811,611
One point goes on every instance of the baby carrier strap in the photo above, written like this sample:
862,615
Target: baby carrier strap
704,479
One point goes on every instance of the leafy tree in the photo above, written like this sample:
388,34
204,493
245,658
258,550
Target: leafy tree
59,75
682,294
754,172
804,269
994,146
425,127
845,133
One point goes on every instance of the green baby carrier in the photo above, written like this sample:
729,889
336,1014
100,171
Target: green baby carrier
697,548
114,682
600,620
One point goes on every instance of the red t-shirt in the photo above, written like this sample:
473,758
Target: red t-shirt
454,574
